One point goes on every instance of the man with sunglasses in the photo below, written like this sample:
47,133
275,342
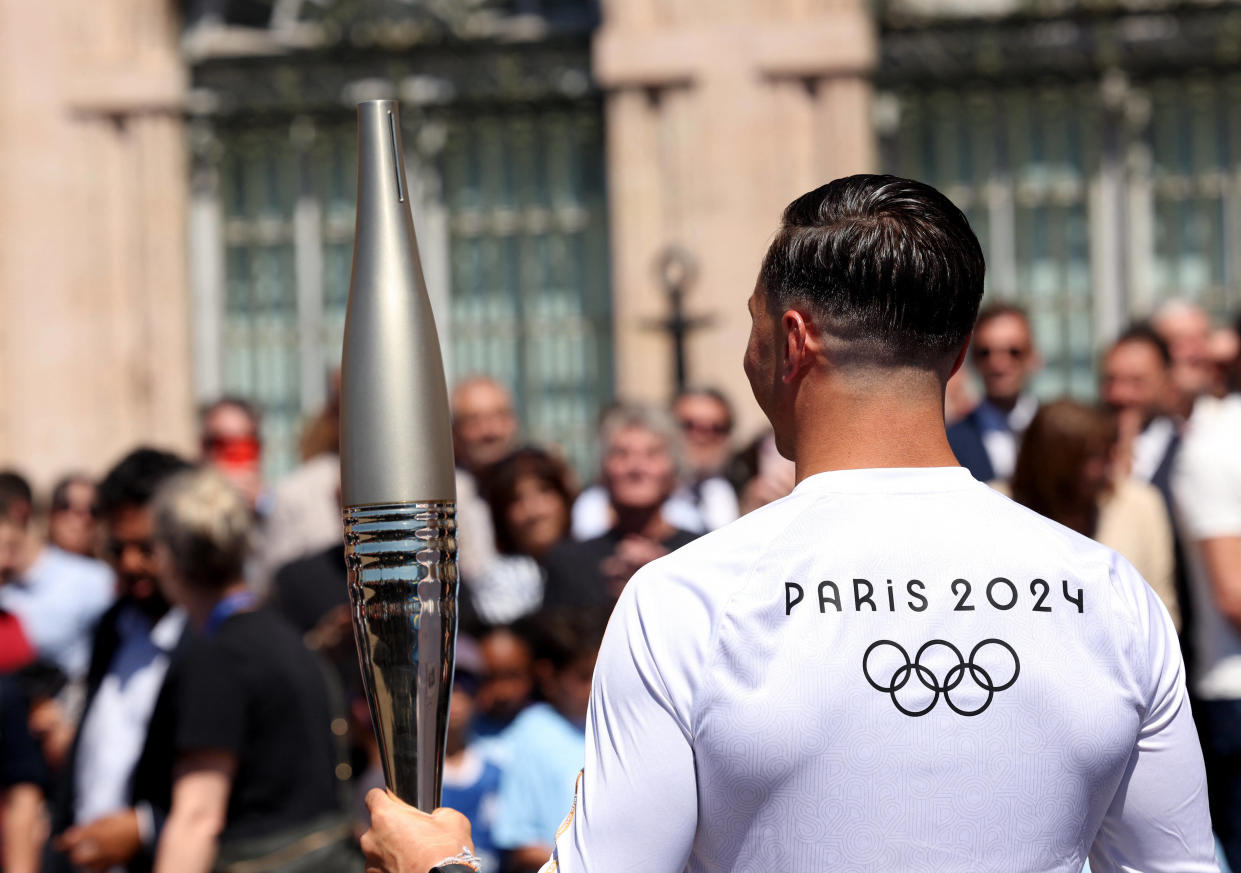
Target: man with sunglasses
119,773
1003,354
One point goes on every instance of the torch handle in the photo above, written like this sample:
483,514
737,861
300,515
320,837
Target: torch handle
402,567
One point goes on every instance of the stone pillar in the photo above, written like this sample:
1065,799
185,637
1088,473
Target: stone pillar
94,334
718,115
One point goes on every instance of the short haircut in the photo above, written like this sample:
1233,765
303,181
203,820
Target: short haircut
1143,332
626,415
499,487
236,402
136,478
707,391
15,491
1000,309
567,635
206,525
889,265
60,491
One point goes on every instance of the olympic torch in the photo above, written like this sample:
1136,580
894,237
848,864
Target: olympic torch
397,484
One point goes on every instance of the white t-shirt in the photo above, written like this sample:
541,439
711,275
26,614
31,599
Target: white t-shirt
895,670
1206,485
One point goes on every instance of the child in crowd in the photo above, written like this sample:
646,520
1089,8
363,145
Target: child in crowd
547,740
471,782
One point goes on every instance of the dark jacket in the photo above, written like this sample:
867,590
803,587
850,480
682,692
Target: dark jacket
152,779
965,438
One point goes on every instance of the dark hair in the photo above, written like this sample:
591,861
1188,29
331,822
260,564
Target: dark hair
1142,332
60,491
500,482
136,478
566,635
14,490
889,264
1000,309
1055,447
706,391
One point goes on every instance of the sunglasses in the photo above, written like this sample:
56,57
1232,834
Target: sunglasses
711,428
116,548
985,352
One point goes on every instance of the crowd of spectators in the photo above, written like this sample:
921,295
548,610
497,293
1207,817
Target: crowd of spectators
179,688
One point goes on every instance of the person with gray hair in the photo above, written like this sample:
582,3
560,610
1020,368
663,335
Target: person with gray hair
255,753
641,465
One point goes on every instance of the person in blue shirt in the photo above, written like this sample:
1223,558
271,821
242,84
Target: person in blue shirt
548,739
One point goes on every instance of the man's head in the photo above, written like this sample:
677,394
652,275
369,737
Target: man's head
1003,353
484,425
72,521
16,506
1137,375
507,675
1186,328
883,274
124,504
706,421
232,444
641,457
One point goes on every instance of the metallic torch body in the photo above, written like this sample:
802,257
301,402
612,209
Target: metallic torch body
397,480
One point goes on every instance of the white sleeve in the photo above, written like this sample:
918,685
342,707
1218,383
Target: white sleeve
1206,487
636,803
1158,821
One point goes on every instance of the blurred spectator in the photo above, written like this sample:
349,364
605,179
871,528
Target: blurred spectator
706,500
1137,387
774,476
115,791
22,775
528,499
256,758
537,784
1003,355
1207,486
960,397
484,429
304,513
55,595
71,522
1064,472
1186,328
505,686
640,448
232,445
1223,350
471,782
15,648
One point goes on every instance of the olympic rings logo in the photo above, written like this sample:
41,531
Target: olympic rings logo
996,670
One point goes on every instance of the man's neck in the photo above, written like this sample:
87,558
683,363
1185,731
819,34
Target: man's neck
1004,404
642,521
861,428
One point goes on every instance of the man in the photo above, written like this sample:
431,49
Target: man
985,441
57,596
484,430
1186,328
1137,387
706,501
71,521
894,668
116,789
639,475
1207,486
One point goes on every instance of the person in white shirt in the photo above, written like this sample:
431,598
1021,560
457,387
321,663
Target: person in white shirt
1206,485
893,668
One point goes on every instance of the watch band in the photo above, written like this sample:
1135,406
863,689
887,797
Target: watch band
452,868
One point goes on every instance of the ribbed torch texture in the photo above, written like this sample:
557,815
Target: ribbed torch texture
397,482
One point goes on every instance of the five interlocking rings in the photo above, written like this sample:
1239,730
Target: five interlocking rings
951,681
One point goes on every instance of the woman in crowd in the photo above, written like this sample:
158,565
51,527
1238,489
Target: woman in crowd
255,787
529,496
1064,472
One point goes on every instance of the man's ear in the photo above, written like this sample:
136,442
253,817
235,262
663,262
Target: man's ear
961,355
801,346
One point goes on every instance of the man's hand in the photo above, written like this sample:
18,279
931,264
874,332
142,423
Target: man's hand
405,840
106,842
